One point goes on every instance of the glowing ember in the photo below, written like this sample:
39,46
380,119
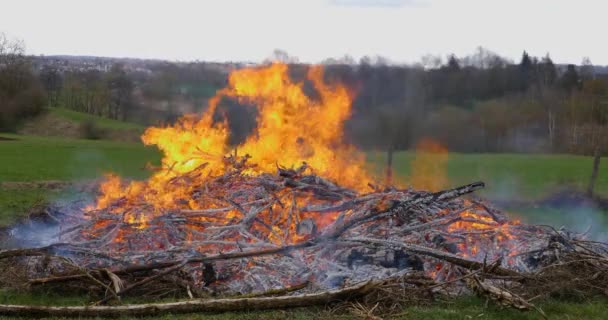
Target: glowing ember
210,198
292,128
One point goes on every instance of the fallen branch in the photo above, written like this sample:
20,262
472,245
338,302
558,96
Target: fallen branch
142,282
501,296
402,206
441,255
191,306
30,252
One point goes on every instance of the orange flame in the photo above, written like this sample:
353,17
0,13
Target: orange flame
481,227
291,128
429,167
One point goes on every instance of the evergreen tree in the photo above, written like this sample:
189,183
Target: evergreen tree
547,71
453,64
570,80
587,72
525,71
526,62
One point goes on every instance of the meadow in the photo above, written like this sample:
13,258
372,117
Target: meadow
507,176
25,160
462,308
529,176
28,159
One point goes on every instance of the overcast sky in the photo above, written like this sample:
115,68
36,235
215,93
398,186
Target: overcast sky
249,30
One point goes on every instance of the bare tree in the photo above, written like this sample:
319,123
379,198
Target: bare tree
121,88
13,63
52,81
20,92
587,70
543,88
279,55
430,61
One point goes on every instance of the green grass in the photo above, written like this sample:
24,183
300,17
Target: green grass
511,175
524,175
464,308
473,308
15,202
30,158
100,121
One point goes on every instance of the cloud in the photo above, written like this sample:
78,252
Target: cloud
379,3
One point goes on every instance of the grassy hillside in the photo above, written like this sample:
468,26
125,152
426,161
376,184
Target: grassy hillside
80,117
60,122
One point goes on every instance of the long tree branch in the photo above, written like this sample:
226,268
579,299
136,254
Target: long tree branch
190,306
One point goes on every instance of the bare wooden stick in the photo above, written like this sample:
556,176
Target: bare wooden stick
190,306
401,206
144,281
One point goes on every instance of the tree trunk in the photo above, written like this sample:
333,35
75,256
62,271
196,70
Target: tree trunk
596,166
551,129
389,165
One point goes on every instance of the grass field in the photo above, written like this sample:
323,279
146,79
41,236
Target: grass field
31,158
464,308
512,175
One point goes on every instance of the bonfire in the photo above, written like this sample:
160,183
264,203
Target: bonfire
289,217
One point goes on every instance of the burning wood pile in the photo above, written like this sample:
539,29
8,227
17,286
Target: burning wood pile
293,233
207,224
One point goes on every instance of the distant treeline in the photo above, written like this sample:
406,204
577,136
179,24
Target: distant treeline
160,92
479,103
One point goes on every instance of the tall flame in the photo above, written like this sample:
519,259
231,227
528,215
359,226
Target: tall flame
291,128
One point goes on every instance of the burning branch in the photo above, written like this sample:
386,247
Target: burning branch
209,222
